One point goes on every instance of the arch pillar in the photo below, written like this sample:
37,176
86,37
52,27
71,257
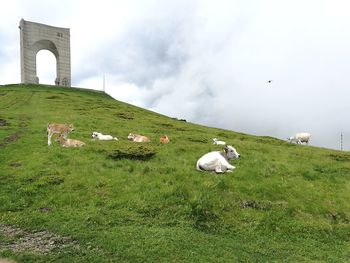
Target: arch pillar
35,37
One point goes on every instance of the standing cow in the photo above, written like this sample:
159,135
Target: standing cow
301,137
60,129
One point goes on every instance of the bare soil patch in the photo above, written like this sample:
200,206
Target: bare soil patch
33,241
4,122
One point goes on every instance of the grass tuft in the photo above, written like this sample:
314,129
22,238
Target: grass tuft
133,152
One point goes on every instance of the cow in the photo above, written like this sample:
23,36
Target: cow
301,137
218,160
69,142
60,129
217,142
164,139
102,137
138,138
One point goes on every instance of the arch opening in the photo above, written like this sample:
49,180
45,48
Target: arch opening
46,67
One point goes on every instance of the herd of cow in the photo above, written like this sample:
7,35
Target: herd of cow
217,161
64,129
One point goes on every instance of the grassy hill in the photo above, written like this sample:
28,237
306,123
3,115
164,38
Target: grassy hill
119,201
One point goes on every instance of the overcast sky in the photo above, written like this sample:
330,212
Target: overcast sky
205,61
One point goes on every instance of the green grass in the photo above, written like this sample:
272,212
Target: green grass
283,203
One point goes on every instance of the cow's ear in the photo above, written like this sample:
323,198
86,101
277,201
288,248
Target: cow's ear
226,149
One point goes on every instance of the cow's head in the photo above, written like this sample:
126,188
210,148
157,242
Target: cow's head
61,138
131,136
71,127
231,152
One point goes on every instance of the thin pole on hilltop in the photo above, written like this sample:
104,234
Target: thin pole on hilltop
104,83
341,141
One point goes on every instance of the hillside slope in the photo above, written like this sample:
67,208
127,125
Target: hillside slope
124,202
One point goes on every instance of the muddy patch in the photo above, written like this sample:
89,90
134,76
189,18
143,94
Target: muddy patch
53,97
17,135
12,138
15,164
125,115
42,242
23,121
9,139
244,204
44,209
4,122
340,157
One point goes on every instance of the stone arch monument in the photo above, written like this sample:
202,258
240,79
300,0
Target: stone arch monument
35,37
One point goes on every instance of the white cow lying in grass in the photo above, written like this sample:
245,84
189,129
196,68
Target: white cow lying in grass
301,137
218,160
102,137
217,142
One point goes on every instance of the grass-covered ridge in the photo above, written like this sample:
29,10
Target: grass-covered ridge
283,203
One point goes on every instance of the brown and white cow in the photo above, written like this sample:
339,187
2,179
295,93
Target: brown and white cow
69,142
164,139
138,138
60,129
